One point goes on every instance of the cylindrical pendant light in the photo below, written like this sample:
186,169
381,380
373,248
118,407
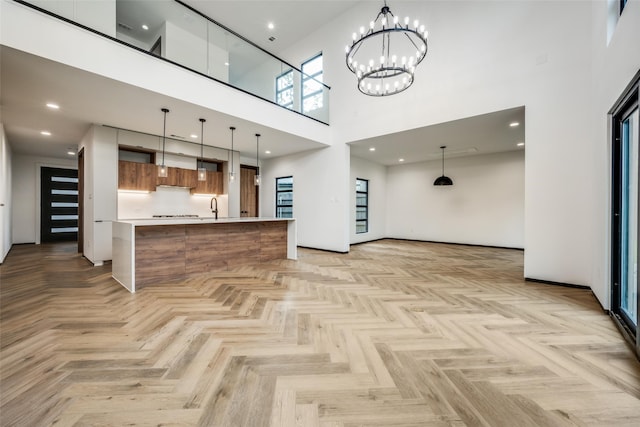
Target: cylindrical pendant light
257,177
232,175
162,169
443,180
202,172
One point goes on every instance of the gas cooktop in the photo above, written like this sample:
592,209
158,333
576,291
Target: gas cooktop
175,216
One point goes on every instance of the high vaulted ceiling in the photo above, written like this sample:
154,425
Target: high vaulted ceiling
29,82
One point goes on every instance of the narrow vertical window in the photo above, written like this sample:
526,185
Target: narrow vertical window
362,205
284,197
284,89
312,87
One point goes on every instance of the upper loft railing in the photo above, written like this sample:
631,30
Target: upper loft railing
179,34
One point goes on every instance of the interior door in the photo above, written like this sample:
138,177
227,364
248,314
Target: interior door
81,201
248,192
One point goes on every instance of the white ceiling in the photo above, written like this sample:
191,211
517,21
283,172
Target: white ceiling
29,82
483,134
292,19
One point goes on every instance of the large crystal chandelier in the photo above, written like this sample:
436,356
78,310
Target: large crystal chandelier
384,56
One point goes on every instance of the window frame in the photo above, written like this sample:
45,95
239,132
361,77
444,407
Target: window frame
623,3
278,192
289,87
305,77
625,106
366,206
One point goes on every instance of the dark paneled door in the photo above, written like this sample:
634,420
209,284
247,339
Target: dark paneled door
58,204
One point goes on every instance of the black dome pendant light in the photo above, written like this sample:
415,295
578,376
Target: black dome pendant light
443,180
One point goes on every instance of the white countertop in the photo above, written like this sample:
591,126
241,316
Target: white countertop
199,220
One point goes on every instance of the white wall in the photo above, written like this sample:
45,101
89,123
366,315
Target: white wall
377,176
100,191
489,56
484,206
190,47
97,14
261,78
321,195
185,47
615,65
6,202
25,189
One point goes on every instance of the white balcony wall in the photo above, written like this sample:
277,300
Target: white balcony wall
104,57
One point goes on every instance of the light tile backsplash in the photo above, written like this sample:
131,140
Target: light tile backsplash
168,201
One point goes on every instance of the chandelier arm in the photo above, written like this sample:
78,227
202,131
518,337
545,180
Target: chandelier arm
385,37
412,42
359,45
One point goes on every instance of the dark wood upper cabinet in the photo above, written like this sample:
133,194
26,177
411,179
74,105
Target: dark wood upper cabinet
136,176
178,177
187,178
213,184
144,177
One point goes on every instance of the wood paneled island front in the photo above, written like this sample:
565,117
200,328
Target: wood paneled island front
159,250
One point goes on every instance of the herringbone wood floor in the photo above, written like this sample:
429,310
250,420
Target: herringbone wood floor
393,334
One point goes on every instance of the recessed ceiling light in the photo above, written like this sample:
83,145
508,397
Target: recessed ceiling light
71,153
45,133
401,160
267,152
53,106
520,144
514,124
270,25
145,27
194,136
226,63
372,149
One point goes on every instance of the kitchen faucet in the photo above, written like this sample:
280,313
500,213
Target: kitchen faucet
214,211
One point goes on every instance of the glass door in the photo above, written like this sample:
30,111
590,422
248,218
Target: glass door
629,219
626,231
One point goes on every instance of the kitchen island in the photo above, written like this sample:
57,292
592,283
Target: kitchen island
154,251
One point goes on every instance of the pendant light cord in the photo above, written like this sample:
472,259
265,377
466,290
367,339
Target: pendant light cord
232,129
164,131
257,150
202,143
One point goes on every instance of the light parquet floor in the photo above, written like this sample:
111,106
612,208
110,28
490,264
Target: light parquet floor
393,334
